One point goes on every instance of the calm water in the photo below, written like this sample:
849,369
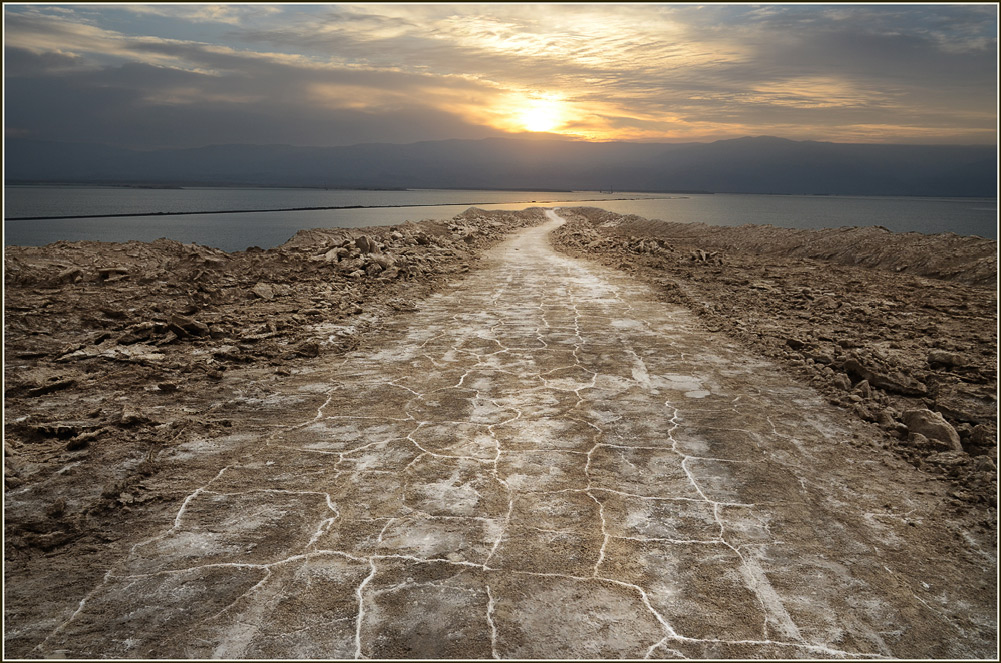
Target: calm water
237,231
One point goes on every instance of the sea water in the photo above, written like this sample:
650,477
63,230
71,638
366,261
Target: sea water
235,218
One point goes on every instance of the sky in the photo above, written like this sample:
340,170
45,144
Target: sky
184,75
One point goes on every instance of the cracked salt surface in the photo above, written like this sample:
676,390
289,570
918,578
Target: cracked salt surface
546,462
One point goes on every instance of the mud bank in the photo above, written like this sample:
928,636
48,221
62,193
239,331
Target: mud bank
850,310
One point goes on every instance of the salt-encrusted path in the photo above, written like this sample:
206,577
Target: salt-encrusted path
545,462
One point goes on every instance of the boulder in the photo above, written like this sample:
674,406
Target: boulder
933,426
364,244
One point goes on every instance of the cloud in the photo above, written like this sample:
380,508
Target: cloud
631,71
227,14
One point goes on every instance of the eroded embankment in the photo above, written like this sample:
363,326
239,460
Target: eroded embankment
916,356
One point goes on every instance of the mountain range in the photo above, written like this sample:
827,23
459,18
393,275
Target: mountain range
762,164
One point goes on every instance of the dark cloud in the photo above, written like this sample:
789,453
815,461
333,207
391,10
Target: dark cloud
129,106
156,75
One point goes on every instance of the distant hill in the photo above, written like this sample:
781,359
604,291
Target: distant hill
744,165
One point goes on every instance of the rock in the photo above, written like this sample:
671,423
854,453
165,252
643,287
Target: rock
167,387
183,326
264,291
920,441
943,358
112,273
336,254
795,343
963,404
932,426
49,387
384,260
70,275
894,381
82,440
131,416
820,358
952,462
141,332
863,389
985,464
982,435
308,349
699,255
841,381
885,420
364,244
863,412
373,268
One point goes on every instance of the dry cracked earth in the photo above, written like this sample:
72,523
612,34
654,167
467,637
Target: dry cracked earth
545,461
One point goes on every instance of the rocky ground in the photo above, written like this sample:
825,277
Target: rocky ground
111,348
898,328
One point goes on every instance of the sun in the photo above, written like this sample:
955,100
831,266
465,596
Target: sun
541,115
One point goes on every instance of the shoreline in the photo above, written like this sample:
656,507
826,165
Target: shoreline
317,208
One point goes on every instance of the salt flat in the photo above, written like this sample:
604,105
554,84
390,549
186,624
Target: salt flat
544,462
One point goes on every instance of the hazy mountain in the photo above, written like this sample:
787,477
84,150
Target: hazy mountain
745,165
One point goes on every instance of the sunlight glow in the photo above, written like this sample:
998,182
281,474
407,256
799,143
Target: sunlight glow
545,114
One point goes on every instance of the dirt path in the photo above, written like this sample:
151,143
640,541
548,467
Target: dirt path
545,462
